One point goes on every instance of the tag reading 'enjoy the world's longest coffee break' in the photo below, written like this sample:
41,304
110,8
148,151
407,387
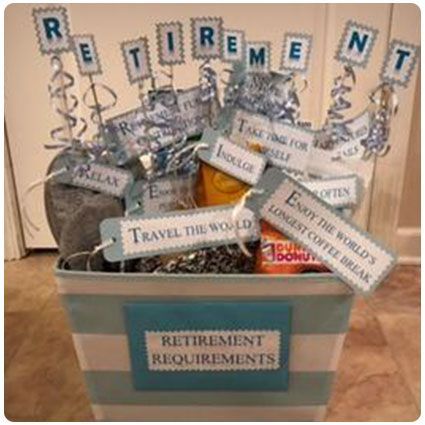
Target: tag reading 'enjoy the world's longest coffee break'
295,211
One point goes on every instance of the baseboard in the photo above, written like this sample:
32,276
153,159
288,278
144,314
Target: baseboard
408,245
409,261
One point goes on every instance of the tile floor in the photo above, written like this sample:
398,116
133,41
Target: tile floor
378,378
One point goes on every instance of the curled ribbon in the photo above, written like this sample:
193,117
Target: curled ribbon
65,104
336,130
386,106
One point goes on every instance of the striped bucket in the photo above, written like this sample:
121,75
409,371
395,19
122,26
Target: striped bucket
321,306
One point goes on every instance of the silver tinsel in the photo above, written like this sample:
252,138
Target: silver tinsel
335,131
385,102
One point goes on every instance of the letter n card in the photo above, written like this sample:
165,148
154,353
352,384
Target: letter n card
223,346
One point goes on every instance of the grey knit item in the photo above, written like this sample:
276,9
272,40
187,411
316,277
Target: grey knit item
80,232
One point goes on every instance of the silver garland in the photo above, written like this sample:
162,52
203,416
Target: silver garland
385,101
335,130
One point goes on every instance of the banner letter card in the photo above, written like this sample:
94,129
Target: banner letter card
294,210
169,36
86,54
399,63
296,52
258,56
207,37
233,46
137,59
52,27
356,44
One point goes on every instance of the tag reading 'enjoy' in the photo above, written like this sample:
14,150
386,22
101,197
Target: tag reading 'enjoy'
233,159
285,145
337,192
160,195
344,248
153,234
217,350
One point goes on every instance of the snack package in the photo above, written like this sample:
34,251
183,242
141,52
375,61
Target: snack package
279,255
217,188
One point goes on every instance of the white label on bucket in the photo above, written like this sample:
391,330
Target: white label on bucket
222,350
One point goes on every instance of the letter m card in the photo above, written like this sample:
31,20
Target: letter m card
209,345
356,44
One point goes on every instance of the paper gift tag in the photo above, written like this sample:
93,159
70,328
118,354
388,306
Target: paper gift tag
348,251
339,192
159,195
285,145
98,177
232,346
155,234
128,131
235,160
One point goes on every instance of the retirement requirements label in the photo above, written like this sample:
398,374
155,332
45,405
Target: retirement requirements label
155,234
213,350
348,251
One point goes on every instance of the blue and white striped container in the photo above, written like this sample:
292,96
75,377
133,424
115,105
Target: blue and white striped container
321,306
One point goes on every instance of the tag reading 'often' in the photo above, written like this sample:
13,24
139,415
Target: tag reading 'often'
337,192
218,350
233,159
159,195
155,234
285,145
344,248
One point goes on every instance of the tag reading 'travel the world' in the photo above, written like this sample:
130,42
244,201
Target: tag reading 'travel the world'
233,159
155,234
348,251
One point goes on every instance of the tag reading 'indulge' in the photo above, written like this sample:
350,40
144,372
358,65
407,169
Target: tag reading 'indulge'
98,177
344,248
233,159
285,145
153,234
337,192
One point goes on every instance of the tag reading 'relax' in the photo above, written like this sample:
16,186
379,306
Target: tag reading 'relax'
348,251
98,177
233,159
155,234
